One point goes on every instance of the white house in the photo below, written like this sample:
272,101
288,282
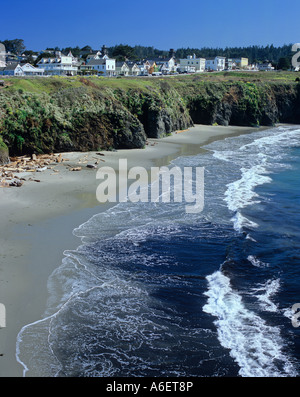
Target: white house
122,69
266,66
104,67
216,64
96,55
28,70
134,69
103,54
60,65
18,70
166,65
192,64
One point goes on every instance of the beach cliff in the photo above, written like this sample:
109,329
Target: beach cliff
83,114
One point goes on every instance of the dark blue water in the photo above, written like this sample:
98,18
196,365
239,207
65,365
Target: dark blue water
154,291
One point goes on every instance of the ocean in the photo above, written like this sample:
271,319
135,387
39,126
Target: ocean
153,291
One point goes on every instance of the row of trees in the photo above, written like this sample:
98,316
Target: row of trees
279,56
253,53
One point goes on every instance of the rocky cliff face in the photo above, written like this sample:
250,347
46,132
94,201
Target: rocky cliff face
246,104
83,116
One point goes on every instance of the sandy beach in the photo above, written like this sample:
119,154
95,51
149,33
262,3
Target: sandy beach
38,218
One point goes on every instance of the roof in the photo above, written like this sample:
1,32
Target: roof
100,61
97,62
213,58
11,66
159,60
120,64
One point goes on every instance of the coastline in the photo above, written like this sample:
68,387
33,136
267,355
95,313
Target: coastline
38,219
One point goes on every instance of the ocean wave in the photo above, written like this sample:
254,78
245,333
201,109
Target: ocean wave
254,345
265,292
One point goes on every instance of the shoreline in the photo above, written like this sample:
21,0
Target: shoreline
38,220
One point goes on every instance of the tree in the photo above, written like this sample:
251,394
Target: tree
15,46
29,54
121,52
284,63
86,48
74,50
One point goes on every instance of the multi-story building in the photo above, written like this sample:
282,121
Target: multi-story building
241,62
104,66
192,64
60,65
215,64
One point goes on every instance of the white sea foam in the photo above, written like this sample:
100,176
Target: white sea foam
240,221
240,193
288,138
255,161
253,344
265,292
256,262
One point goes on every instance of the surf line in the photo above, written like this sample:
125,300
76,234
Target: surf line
187,186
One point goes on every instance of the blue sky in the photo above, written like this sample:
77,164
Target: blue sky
162,24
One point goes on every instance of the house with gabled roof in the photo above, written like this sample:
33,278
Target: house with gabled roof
60,65
15,69
135,70
122,69
104,67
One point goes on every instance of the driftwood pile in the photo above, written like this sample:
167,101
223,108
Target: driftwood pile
10,173
13,173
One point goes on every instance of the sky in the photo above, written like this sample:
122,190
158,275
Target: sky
163,24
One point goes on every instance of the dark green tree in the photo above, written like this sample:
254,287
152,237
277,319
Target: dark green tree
284,63
15,46
122,52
